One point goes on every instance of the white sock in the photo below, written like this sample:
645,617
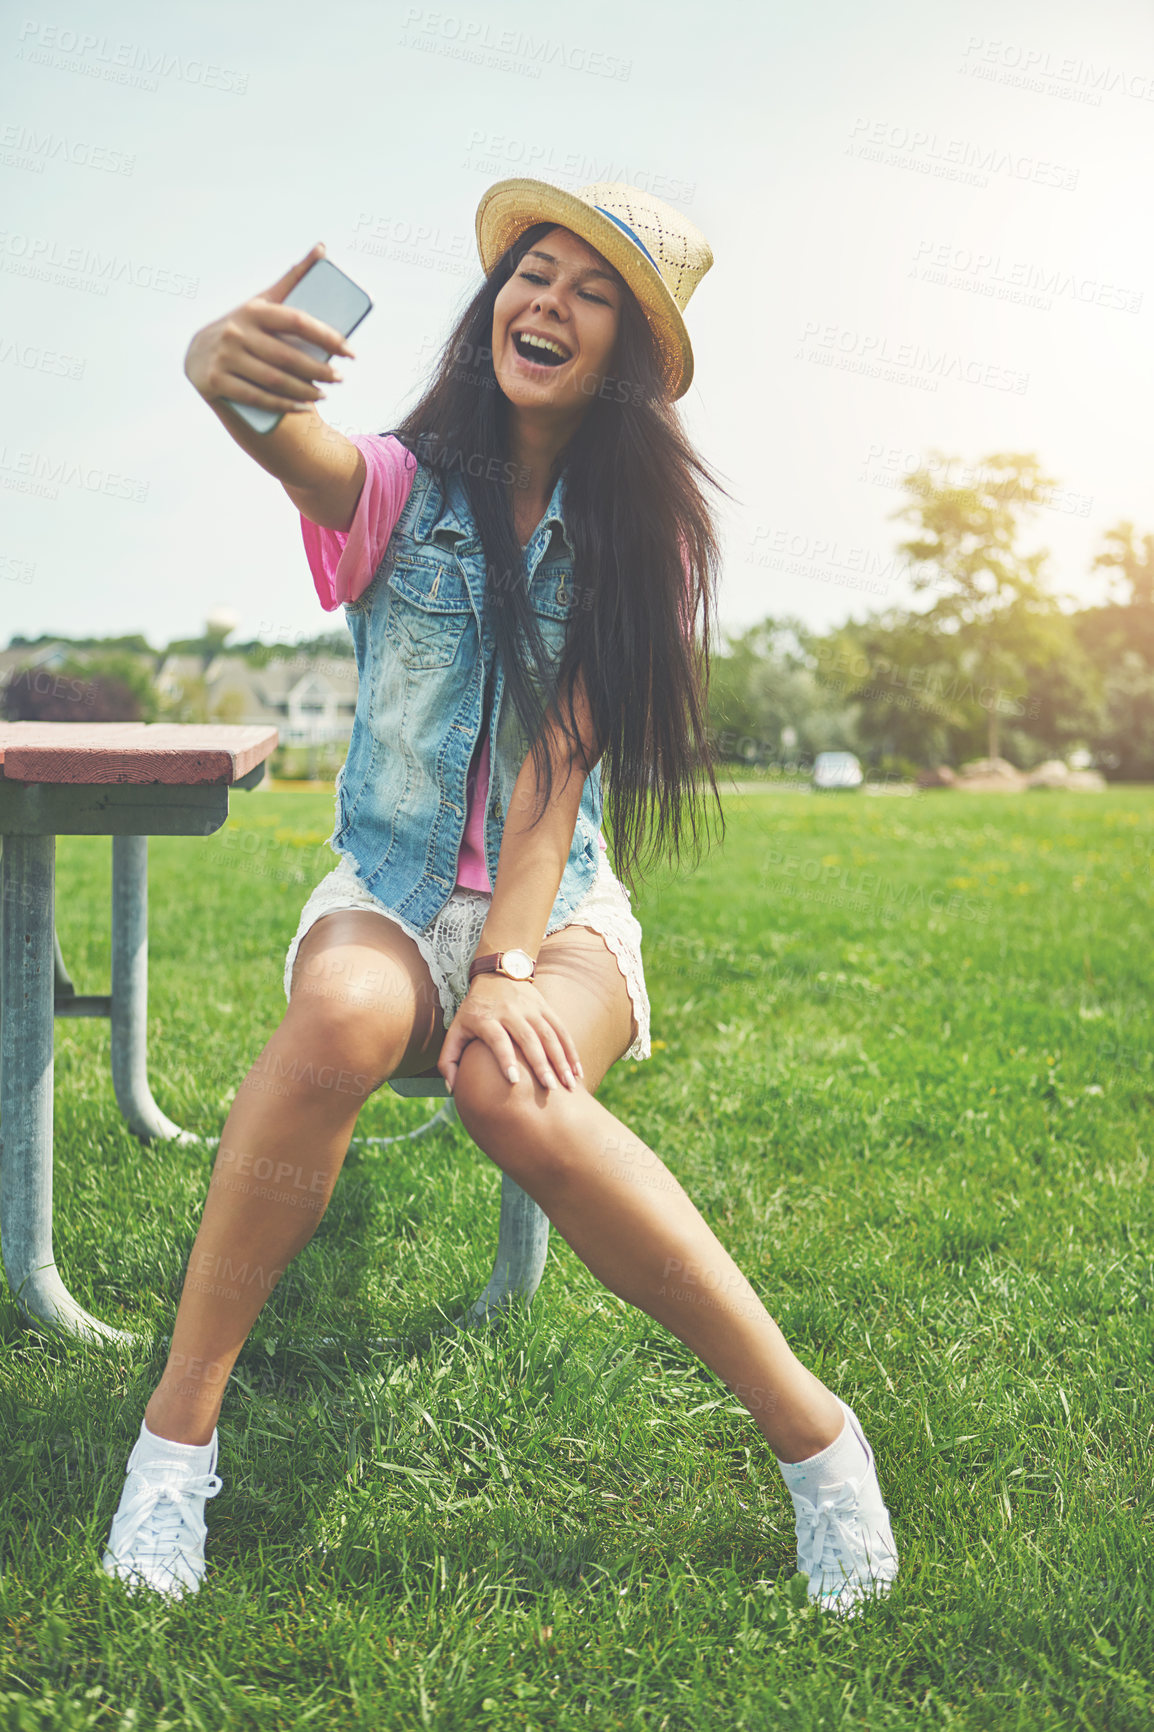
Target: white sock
163,1450
844,1458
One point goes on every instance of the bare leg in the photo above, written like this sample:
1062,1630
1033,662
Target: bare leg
623,1211
363,1008
632,1224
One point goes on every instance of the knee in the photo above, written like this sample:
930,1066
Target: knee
516,1124
482,1095
331,1051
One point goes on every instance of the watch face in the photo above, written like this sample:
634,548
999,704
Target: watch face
517,963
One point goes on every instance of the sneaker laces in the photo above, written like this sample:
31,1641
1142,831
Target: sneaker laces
157,1512
824,1535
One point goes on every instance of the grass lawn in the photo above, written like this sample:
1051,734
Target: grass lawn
902,1063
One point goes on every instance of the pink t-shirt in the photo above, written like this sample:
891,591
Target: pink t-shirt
343,564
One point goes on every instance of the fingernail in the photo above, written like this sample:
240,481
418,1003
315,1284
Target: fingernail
569,1080
513,1073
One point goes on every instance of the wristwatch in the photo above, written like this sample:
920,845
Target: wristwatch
513,964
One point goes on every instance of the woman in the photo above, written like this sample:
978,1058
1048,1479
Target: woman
522,564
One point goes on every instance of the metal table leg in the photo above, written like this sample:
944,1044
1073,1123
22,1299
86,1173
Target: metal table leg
27,969
64,986
130,994
522,1246
30,968
127,1004
523,1233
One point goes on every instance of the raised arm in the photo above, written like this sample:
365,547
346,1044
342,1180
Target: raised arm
243,355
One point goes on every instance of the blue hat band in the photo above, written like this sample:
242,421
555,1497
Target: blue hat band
626,230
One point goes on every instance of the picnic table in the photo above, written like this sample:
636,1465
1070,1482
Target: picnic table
131,780
127,780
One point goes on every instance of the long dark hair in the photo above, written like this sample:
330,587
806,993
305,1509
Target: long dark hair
637,518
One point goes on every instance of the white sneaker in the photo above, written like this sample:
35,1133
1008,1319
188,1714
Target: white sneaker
845,1544
158,1531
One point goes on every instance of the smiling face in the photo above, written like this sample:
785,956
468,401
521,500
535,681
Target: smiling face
555,323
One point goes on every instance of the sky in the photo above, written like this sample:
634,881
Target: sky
930,228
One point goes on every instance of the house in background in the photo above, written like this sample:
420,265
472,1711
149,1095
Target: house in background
309,702
310,699
313,704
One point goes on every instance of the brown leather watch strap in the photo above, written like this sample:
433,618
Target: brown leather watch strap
490,965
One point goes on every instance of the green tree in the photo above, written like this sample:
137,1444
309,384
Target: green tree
1118,638
1126,740
765,683
100,687
330,643
132,641
904,679
989,594
1126,622
1136,562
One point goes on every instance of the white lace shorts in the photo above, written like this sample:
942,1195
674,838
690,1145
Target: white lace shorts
449,941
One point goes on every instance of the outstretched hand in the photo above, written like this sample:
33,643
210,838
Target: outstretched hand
250,355
509,1015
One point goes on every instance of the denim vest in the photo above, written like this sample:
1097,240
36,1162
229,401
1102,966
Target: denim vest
425,649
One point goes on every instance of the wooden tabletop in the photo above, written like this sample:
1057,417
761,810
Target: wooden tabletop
181,754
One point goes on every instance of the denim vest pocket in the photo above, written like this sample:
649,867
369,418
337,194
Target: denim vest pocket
428,610
551,598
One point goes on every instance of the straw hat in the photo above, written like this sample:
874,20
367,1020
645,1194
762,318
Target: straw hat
660,253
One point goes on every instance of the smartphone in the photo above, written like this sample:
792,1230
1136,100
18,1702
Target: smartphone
327,294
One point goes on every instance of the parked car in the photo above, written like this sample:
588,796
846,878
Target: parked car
836,770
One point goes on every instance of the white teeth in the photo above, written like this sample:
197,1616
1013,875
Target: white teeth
543,343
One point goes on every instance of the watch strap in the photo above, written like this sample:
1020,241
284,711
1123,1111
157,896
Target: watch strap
491,965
